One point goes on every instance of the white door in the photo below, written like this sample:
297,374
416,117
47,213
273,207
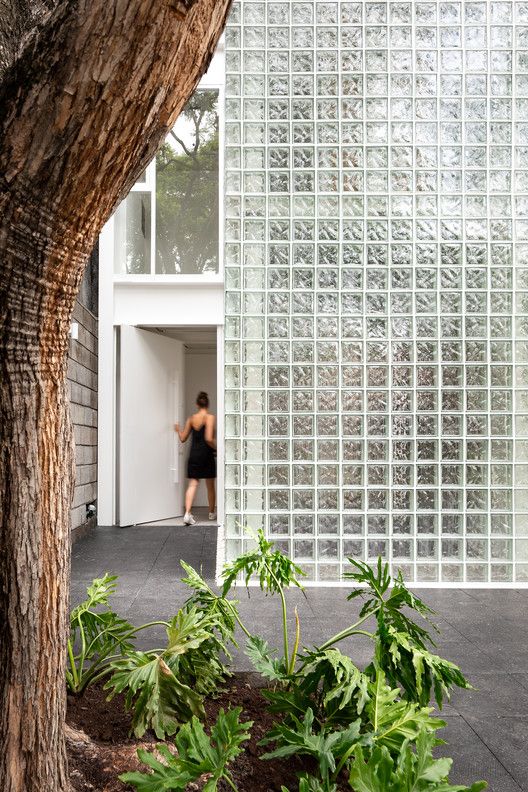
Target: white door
151,459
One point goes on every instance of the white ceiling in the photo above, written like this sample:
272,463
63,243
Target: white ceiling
197,338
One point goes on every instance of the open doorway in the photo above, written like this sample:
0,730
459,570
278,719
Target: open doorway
161,370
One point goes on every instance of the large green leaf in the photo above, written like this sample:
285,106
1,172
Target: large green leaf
200,665
338,680
385,597
197,754
157,698
97,593
187,630
162,775
292,701
401,642
300,738
420,672
273,569
96,632
98,629
260,655
394,721
164,689
308,783
218,609
409,771
201,668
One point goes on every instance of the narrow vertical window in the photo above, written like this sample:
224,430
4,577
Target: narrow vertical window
187,191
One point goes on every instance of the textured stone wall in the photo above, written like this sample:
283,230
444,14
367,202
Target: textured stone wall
82,378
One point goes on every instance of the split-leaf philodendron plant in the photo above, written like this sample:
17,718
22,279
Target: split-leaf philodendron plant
370,729
164,687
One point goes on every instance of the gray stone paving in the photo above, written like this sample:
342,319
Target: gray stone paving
483,631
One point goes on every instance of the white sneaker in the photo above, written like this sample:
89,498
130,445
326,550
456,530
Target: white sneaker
212,515
188,519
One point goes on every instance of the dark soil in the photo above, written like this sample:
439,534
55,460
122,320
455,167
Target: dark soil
96,763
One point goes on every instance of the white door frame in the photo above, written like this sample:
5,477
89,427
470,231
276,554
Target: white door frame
108,438
149,478
220,451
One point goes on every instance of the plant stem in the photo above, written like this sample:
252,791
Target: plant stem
83,642
363,632
285,628
229,781
284,616
104,659
144,627
72,664
348,631
130,634
238,619
296,644
344,759
99,673
232,608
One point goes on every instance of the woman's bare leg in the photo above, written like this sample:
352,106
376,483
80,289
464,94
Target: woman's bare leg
211,495
189,495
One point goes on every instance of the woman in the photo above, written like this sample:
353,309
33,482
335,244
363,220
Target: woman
202,457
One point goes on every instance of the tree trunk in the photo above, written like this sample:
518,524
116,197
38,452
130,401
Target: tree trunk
81,114
35,496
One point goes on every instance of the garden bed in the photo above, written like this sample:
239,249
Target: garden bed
333,724
95,765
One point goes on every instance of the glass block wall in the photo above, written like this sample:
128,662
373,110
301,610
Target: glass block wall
376,354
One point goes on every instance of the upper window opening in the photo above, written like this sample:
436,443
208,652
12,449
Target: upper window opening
169,221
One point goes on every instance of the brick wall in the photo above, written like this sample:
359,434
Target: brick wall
82,379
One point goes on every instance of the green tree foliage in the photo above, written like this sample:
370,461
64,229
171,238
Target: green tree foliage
187,190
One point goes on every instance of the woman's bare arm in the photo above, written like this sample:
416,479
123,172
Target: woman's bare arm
183,435
210,431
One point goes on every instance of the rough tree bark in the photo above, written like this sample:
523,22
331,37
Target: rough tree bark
18,18
82,111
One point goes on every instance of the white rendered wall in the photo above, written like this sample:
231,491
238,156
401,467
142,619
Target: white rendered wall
106,507
168,303
141,304
151,300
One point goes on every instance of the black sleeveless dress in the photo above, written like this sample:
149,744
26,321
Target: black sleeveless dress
202,460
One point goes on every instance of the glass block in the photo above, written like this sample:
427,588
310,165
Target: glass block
426,524
437,309
426,549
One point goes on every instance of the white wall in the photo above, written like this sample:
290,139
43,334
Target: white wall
200,375
158,300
